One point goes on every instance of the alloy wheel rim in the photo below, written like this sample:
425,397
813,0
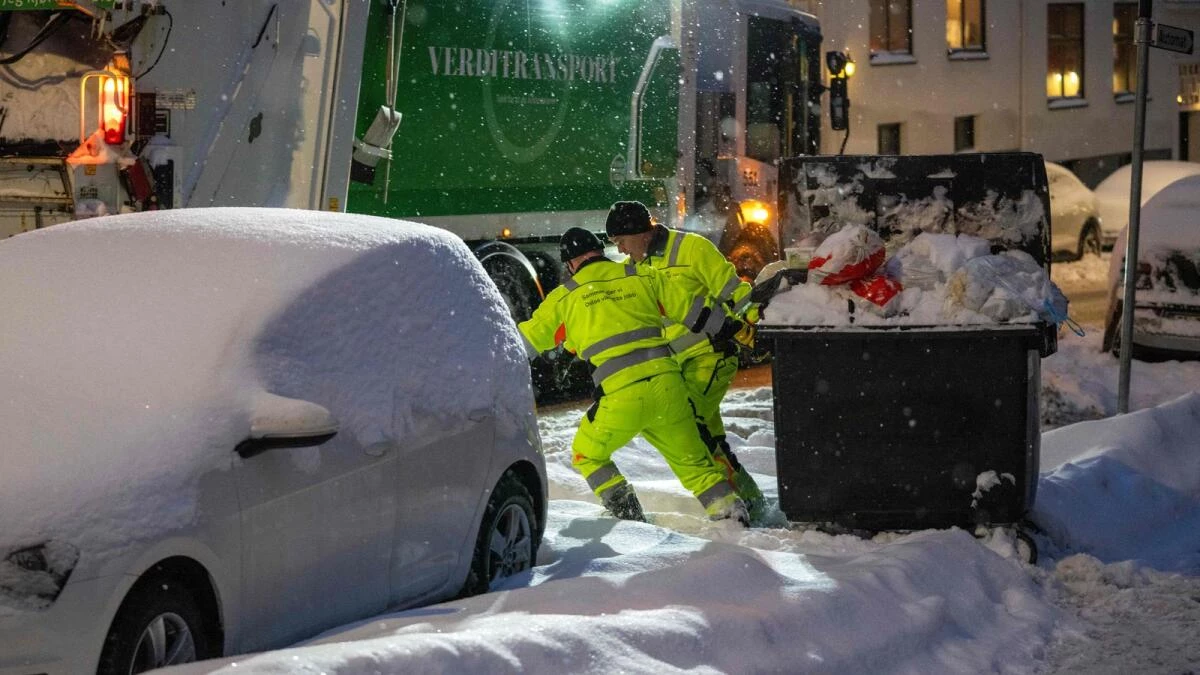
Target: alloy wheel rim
511,543
165,641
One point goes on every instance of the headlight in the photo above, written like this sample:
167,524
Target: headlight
34,576
754,211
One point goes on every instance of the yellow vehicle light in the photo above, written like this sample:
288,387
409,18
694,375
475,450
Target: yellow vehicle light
754,211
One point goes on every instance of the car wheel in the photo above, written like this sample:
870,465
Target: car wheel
158,625
1089,241
507,542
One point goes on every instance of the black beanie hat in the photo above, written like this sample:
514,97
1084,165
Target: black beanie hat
577,241
627,218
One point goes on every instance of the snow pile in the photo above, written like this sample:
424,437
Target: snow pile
632,597
947,280
136,346
1127,487
687,594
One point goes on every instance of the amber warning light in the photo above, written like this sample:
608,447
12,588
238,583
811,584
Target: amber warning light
105,94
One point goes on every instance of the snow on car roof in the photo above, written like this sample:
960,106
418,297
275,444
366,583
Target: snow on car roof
1156,174
1171,219
134,345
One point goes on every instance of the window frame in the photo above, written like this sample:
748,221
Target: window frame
965,49
879,131
970,133
1063,100
1127,94
890,54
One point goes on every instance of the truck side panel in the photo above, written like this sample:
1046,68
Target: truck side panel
510,107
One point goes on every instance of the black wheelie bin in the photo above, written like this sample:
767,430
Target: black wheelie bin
899,427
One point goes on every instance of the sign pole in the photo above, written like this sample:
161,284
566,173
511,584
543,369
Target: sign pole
1135,200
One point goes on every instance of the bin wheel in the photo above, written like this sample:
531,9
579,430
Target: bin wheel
1026,548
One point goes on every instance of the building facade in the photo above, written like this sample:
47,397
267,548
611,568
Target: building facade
1047,76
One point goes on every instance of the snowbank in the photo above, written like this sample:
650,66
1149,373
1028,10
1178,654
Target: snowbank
1127,487
684,594
630,597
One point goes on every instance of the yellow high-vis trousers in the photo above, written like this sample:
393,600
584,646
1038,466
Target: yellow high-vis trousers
658,408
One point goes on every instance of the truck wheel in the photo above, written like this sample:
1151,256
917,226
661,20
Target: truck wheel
1089,240
515,286
159,624
751,254
507,542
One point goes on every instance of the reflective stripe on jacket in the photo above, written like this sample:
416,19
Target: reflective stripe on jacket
611,314
694,262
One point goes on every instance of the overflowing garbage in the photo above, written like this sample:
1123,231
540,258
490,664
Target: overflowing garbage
935,279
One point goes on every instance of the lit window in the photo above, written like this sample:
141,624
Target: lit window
1064,63
965,25
891,26
1124,54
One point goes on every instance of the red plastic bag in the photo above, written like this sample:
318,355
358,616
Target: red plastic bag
878,289
852,253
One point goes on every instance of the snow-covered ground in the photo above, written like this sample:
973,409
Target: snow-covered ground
1116,590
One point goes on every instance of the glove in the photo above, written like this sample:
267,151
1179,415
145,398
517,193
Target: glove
729,329
745,335
735,332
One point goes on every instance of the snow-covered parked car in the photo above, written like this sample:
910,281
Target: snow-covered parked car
226,430
1166,311
1074,214
1112,194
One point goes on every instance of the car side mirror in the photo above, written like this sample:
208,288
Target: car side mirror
281,422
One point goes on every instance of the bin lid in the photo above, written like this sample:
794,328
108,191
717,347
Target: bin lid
1002,197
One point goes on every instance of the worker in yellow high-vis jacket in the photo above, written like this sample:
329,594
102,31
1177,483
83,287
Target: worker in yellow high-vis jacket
708,364
610,314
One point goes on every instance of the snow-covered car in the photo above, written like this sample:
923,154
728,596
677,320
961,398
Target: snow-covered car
226,430
1166,311
1112,194
1074,214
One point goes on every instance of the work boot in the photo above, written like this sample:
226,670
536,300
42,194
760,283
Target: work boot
728,507
740,513
622,502
736,510
746,488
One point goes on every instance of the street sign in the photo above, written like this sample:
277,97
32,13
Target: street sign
1172,38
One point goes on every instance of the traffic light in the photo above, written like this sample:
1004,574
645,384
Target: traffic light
841,67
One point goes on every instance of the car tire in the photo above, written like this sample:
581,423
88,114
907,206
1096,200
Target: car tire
1111,341
1089,241
159,624
507,543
